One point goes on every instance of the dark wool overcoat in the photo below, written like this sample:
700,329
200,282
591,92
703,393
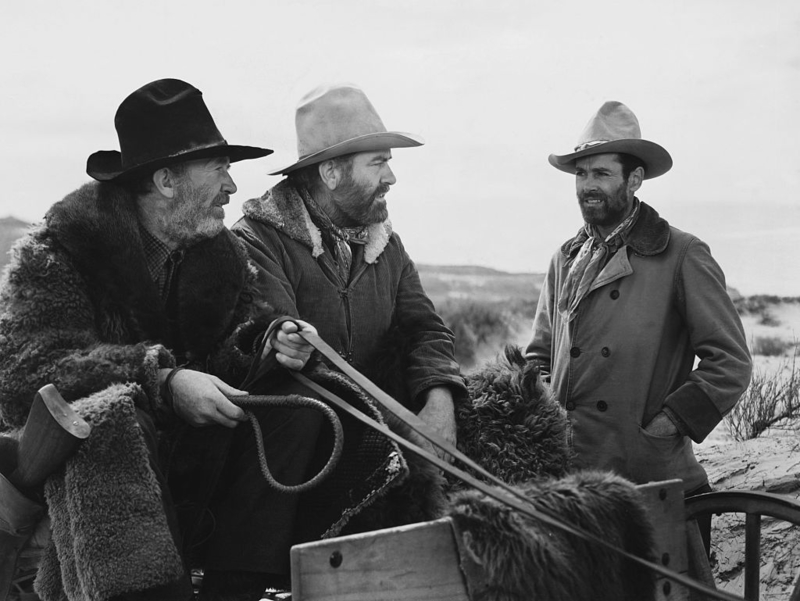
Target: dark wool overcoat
299,276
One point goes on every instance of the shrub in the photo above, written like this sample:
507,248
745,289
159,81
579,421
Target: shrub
769,400
474,324
770,346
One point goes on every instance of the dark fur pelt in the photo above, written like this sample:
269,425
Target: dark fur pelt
510,424
520,559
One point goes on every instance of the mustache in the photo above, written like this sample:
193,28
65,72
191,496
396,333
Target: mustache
382,189
582,196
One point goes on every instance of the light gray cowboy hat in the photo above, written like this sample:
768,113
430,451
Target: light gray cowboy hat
335,120
615,129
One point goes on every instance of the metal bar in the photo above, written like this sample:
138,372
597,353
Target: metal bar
752,556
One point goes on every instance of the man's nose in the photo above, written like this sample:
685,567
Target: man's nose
229,186
388,176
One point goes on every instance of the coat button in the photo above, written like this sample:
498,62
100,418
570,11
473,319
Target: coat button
602,405
570,406
615,294
605,351
574,352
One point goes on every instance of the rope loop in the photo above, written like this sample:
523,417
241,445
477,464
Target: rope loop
292,401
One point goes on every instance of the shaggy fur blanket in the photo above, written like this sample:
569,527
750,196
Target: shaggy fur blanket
510,424
513,557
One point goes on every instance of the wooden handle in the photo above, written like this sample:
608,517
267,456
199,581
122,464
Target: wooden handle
51,435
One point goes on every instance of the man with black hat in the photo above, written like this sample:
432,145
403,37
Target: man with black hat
326,253
135,301
625,309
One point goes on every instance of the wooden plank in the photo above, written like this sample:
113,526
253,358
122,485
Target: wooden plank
409,563
664,502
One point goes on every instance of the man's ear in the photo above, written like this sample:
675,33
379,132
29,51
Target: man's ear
165,182
330,174
635,179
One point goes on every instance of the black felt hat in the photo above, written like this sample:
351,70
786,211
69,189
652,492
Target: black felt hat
162,123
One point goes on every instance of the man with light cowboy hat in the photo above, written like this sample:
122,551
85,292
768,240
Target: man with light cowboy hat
135,302
626,308
327,253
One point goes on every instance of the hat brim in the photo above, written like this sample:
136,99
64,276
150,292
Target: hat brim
106,165
656,159
365,143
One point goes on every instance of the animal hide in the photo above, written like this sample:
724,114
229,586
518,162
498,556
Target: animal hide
519,558
109,529
510,424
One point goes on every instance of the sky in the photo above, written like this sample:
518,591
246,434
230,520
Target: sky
493,86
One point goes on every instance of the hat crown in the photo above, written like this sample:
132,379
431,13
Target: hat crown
613,121
331,115
164,118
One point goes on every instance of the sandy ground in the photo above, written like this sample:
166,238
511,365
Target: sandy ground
769,463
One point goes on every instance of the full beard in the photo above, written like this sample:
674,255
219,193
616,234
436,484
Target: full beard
354,212
193,219
611,210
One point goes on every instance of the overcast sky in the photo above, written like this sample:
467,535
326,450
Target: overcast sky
493,86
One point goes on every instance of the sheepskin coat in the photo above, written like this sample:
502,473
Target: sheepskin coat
629,353
78,308
299,276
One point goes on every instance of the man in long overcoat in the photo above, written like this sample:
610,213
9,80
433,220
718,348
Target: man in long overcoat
627,307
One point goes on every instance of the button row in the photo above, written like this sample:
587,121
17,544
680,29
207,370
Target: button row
575,352
601,406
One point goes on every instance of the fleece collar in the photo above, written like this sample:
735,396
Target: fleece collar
649,235
283,208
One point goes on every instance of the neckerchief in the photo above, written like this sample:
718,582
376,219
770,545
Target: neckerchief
587,264
338,237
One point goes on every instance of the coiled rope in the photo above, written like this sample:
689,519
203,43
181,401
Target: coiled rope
292,401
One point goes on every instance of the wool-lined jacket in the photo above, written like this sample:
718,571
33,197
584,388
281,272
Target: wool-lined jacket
629,353
298,276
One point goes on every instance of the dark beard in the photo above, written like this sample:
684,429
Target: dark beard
354,213
605,214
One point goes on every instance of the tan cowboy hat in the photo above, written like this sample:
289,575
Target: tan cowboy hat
335,120
615,129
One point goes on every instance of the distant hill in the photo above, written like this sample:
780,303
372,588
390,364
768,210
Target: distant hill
11,229
479,284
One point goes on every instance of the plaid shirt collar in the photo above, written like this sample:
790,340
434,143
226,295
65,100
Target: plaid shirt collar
156,253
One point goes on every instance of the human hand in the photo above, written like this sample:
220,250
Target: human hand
661,425
293,352
439,414
199,399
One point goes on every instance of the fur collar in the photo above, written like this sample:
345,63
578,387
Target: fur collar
283,208
649,235
98,227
